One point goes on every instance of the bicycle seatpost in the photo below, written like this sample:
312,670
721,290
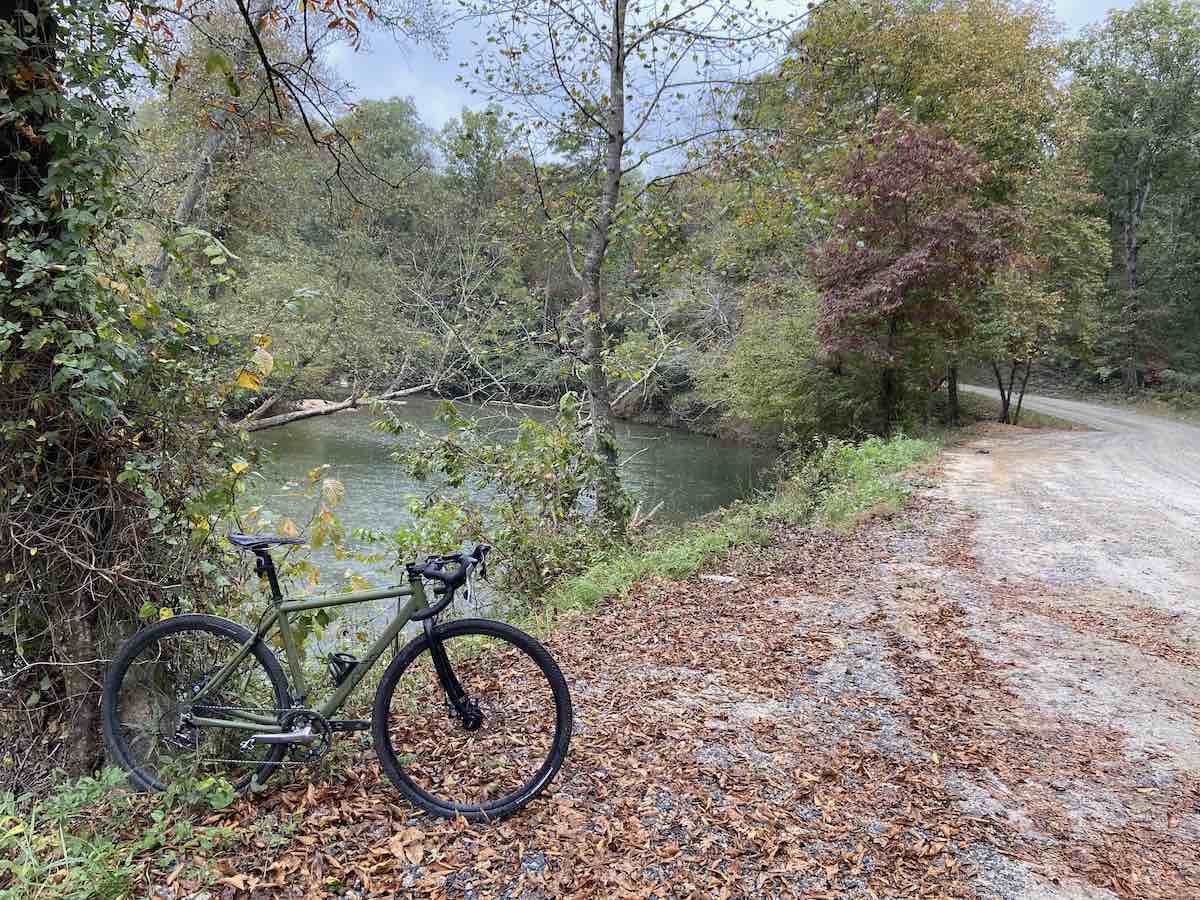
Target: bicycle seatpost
264,567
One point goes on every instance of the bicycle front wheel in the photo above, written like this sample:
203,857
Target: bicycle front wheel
492,762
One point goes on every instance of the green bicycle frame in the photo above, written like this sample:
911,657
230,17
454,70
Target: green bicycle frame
278,616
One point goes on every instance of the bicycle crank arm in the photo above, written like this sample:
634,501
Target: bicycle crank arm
303,736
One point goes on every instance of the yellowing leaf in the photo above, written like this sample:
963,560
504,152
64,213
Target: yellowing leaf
165,613
358,583
249,380
288,528
263,361
239,466
262,340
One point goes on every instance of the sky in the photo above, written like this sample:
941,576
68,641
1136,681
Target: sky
387,69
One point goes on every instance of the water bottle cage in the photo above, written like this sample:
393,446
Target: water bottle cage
340,667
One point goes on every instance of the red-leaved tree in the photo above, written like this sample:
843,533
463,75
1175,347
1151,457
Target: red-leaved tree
915,237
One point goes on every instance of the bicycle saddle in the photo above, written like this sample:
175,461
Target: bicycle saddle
260,541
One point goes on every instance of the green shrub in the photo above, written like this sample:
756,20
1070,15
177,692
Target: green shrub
777,378
91,838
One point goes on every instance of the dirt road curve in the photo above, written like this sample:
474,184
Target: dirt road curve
1087,545
1118,506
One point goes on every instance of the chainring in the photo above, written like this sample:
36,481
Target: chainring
321,729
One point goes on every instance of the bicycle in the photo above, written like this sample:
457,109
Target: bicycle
200,696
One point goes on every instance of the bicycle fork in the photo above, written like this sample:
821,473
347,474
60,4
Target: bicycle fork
468,710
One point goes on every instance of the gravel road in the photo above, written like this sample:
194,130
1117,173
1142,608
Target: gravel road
1086,590
1117,506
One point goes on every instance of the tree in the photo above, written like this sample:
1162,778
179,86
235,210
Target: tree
267,75
1137,77
914,237
607,85
114,468
1047,301
986,72
476,146
100,504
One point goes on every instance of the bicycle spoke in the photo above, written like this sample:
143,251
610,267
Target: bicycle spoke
154,703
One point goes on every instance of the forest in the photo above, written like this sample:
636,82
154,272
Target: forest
794,228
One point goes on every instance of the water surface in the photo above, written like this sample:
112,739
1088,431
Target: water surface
689,473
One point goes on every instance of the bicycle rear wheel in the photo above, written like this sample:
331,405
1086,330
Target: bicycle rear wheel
483,769
148,691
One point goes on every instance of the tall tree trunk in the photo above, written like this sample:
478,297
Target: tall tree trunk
887,396
889,380
1131,310
611,500
952,411
185,211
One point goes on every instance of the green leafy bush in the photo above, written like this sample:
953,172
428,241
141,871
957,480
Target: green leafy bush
529,488
777,378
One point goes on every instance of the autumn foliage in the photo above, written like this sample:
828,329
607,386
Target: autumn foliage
913,238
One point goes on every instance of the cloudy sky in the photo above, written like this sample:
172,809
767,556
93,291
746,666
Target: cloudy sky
386,69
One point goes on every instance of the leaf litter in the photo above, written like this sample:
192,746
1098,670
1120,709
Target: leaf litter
828,725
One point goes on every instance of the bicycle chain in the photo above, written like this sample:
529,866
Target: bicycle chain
264,709
255,763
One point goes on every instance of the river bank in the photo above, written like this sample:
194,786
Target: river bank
91,839
880,679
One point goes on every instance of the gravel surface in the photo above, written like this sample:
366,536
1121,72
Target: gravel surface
1086,590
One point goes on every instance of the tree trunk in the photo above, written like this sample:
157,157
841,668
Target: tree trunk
1021,396
611,500
889,381
887,396
1004,395
185,211
952,411
1131,311
76,643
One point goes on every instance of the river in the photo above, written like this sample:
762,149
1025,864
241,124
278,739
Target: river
691,474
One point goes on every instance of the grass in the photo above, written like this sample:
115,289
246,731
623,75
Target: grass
984,408
834,488
92,838
869,477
